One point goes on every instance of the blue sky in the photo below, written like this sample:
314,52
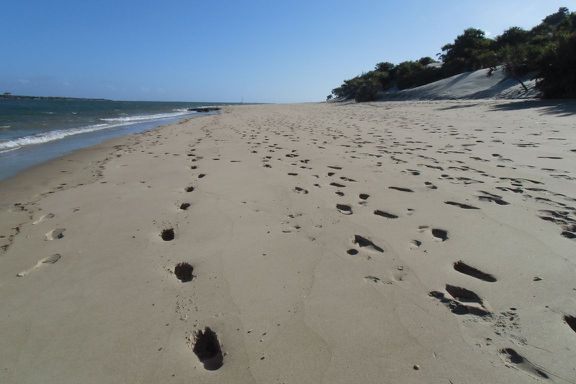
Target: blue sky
217,50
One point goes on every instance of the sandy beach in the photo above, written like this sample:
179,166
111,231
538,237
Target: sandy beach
386,242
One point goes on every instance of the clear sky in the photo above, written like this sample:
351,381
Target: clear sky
229,50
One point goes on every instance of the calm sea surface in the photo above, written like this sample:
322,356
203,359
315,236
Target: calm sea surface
33,131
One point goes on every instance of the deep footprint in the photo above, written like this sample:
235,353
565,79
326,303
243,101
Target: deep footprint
344,209
490,197
385,214
364,242
460,205
401,189
463,294
183,272
464,268
459,308
167,234
571,321
440,234
207,349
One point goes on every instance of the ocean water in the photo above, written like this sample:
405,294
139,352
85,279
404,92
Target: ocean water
33,131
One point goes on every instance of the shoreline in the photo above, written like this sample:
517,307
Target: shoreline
330,243
19,159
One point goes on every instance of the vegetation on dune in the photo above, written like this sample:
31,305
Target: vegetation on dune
547,52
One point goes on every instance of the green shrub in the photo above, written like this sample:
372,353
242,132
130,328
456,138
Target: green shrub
367,91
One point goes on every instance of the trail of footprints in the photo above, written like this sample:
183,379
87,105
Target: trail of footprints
460,300
56,233
205,343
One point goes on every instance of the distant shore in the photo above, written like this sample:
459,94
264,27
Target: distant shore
23,97
409,242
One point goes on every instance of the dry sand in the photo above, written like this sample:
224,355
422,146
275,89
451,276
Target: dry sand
398,242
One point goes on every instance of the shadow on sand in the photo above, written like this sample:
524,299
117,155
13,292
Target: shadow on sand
458,106
561,107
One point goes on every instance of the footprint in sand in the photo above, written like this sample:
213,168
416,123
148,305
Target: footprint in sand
518,361
413,172
460,205
458,308
401,189
464,268
385,214
463,294
344,209
55,234
47,260
44,217
438,234
571,321
183,272
207,349
167,234
301,190
415,244
363,242
373,279
490,197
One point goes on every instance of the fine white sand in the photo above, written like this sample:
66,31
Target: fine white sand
395,242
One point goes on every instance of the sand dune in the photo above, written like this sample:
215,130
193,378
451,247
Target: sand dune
401,242
471,85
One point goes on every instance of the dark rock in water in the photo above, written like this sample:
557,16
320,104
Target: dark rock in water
204,109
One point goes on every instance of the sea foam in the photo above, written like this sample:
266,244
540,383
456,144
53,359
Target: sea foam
59,134
147,117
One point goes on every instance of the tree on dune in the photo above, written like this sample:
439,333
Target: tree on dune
470,51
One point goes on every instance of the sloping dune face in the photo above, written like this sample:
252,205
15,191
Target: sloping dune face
481,84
